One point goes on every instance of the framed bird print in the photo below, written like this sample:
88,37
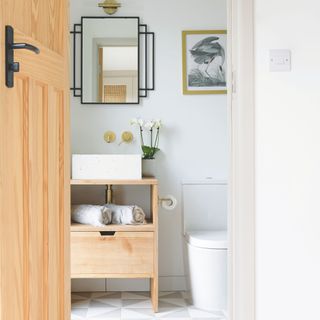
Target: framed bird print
204,59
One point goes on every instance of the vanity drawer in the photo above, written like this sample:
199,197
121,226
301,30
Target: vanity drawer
122,254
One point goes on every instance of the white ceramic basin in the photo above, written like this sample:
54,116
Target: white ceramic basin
106,166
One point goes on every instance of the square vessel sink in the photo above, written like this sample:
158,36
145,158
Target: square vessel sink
106,166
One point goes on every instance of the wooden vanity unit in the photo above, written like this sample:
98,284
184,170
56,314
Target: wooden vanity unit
118,251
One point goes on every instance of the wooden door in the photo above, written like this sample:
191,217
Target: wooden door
34,165
100,76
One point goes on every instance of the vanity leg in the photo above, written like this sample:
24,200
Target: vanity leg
154,287
154,282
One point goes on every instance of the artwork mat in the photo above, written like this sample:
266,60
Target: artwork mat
186,88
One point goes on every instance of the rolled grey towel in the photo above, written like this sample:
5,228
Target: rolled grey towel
126,214
97,216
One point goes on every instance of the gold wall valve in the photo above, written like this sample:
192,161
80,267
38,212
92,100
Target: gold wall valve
109,136
126,137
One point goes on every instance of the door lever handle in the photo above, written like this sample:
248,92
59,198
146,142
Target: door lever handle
26,46
11,66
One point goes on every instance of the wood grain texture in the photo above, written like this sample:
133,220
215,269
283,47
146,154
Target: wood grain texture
100,75
35,225
115,93
154,282
12,203
41,20
132,252
143,181
34,165
122,253
110,275
112,227
54,205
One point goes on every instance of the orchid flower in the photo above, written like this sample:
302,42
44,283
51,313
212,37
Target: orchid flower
140,122
134,121
149,125
148,151
157,124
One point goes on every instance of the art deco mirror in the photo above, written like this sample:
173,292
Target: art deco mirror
117,60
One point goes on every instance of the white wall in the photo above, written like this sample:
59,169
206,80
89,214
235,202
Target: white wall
194,139
288,161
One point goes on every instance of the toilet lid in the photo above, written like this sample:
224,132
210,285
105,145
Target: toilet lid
208,239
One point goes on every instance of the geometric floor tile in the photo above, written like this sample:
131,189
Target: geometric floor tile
143,313
79,312
112,303
81,303
179,313
171,295
104,314
177,302
136,305
98,304
196,313
95,312
139,303
135,295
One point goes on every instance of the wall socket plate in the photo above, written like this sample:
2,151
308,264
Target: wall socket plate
280,60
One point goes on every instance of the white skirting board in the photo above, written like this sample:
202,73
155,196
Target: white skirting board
166,283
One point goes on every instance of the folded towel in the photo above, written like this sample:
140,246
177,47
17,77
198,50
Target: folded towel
97,216
126,214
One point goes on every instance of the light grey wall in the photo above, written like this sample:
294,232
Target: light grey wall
194,139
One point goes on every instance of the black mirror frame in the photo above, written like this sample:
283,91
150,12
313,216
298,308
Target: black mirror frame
143,35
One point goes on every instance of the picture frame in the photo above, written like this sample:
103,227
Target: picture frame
204,61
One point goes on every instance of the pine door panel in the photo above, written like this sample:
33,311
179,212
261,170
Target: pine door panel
13,209
56,221
34,165
38,224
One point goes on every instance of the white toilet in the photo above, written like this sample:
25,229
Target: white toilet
205,233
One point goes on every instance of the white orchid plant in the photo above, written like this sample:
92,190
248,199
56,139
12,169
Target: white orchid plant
153,128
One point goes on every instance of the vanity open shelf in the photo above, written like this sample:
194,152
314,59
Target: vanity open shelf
118,251
149,227
102,182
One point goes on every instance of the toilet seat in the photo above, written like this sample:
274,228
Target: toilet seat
208,239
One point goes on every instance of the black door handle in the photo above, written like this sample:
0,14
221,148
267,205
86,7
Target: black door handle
12,66
26,46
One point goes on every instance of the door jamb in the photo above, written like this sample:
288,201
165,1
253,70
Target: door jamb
242,164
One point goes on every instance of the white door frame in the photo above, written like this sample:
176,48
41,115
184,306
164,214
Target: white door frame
242,167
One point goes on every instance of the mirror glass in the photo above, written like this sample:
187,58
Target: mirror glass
110,48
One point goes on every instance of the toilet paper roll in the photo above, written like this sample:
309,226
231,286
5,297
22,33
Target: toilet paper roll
169,202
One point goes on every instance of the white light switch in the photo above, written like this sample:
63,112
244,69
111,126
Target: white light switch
280,60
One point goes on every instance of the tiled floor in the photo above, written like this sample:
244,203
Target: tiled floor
136,305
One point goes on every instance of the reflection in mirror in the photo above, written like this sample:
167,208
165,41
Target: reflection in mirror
118,75
110,60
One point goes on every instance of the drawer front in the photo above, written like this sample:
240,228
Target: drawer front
123,253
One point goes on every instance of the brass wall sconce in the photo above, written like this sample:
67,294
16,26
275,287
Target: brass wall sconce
110,6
